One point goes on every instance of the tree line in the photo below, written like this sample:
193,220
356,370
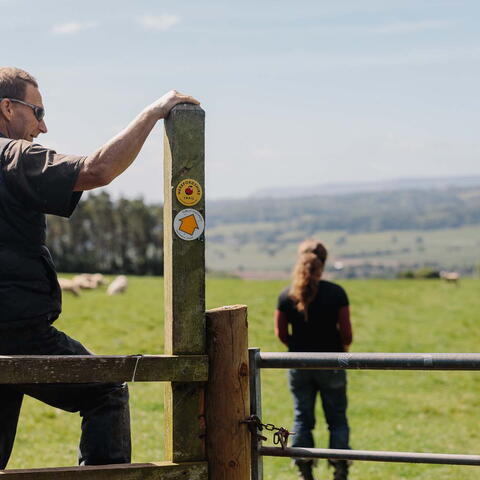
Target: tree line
126,236
109,236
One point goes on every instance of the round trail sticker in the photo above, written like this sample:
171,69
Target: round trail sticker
189,192
189,224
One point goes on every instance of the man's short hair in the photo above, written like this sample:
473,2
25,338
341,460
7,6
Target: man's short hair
13,82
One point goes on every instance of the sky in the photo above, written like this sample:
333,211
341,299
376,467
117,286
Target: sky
296,94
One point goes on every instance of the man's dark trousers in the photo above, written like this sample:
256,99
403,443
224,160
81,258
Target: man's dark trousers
103,407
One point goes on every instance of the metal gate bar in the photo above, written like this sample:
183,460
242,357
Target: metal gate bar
374,456
370,361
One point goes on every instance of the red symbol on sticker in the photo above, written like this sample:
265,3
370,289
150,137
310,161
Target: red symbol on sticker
189,190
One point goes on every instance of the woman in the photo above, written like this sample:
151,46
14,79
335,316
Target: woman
318,314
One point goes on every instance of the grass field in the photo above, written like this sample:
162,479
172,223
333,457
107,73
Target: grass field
404,411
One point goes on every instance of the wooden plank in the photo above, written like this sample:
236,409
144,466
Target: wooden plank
110,368
228,441
184,422
184,272
134,471
184,262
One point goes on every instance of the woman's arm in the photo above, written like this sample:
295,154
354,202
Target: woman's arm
345,327
281,327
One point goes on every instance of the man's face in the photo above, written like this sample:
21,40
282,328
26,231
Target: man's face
23,123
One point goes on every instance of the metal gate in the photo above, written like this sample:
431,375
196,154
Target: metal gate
363,361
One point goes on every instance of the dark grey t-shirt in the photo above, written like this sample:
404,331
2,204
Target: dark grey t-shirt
34,181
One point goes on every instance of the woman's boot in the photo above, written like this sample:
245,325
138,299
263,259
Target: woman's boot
305,469
340,469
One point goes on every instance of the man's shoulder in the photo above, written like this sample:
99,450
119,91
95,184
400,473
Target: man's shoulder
18,152
4,142
14,147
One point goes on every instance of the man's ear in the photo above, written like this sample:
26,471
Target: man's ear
6,108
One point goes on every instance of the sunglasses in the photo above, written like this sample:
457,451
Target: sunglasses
39,112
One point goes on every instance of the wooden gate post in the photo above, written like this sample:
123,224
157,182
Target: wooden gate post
228,394
184,273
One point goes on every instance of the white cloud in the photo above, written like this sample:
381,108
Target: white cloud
410,27
72,28
159,22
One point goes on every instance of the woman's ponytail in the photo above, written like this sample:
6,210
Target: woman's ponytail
306,274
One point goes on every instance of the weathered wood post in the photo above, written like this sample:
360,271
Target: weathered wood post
184,272
228,394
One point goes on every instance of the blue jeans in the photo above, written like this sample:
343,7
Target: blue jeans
104,409
332,386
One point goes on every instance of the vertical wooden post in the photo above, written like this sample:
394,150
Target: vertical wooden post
184,272
227,397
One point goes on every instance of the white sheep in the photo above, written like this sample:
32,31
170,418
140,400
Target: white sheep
119,285
68,285
451,277
83,281
89,280
97,279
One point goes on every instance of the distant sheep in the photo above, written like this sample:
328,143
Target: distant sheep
119,285
69,286
97,279
451,277
83,281
89,280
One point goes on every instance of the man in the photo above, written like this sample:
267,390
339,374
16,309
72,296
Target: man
34,181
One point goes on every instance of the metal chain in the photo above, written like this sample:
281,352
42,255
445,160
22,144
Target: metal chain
279,437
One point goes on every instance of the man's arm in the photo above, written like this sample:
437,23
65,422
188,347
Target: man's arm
109,161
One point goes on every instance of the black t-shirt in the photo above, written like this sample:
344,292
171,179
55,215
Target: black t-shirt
34,181
320,332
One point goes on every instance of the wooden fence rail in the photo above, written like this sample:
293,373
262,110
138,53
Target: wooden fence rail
133,471
108,368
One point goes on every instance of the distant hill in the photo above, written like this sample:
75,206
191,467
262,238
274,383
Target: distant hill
376,233
356,212
427,183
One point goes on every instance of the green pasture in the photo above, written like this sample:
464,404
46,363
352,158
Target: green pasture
268,247
403,411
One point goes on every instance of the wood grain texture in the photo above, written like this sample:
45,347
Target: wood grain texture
184,280
228,396
82,369
139,471
184,261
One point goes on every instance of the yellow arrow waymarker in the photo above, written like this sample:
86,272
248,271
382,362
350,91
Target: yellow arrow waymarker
188,224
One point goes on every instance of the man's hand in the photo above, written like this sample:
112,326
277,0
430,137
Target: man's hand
161,108
109,161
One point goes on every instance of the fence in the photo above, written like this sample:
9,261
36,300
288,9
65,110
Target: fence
185,365
371,361
213,381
